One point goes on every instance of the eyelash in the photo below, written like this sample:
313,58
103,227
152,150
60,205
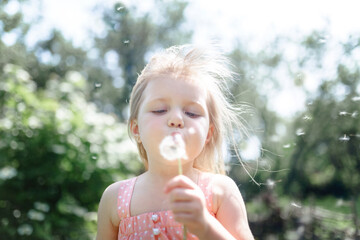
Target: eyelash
189,114
192,115
159,111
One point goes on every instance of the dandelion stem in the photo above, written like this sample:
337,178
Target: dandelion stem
180,167
180,173
184,233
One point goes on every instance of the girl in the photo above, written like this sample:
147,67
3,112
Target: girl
178,93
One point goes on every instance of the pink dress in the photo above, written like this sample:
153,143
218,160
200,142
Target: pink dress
154,225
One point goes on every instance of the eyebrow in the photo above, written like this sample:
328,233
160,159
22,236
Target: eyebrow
158,100
161,99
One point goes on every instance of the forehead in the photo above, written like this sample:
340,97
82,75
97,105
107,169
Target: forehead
176,87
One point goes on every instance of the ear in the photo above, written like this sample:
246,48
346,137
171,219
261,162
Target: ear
134,127
210,133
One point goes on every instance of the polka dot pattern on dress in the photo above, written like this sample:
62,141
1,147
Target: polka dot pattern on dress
153,225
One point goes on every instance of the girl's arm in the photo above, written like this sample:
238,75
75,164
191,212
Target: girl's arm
231,211
107,227
188,204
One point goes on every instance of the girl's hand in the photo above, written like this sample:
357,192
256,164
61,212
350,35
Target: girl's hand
188,204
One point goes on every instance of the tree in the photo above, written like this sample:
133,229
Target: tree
130,37
57,155
326,158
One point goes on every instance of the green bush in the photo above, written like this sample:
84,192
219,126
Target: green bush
57,155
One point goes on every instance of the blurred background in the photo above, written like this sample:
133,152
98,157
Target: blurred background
66,72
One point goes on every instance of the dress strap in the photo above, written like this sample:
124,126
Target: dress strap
126,188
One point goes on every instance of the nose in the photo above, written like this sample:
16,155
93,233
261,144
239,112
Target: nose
176,120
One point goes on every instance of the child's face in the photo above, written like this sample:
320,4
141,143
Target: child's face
170,106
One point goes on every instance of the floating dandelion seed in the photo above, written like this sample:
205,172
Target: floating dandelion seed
343,113
344,138
294,204
191,130
172,147
307,117
97,85
126,41
300,132
287,145
120,8
322,40
270,183
299,76
355,99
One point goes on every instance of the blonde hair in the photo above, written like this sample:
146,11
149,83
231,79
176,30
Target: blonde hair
212,70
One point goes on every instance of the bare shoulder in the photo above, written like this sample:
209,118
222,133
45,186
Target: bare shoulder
108,219
108,202
229,207
224,186
223,181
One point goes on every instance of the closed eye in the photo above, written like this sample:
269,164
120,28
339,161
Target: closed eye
192,115
159,111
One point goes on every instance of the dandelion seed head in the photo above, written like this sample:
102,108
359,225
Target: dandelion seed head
172,147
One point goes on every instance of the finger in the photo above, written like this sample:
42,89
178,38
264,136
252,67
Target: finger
181,207
183,217
181,194
180,181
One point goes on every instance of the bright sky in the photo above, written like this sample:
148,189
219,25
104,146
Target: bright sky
255,22
259,20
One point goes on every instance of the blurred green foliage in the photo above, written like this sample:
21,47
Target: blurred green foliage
57,155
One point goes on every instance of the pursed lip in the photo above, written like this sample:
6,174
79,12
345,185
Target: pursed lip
175,133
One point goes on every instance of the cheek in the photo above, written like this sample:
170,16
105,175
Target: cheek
202,129
151,123
150,131
199,135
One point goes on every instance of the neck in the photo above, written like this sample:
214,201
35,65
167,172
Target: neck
162,174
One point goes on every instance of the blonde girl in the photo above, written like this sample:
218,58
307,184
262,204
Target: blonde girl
181,92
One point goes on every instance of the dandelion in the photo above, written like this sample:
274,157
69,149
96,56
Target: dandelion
172,147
